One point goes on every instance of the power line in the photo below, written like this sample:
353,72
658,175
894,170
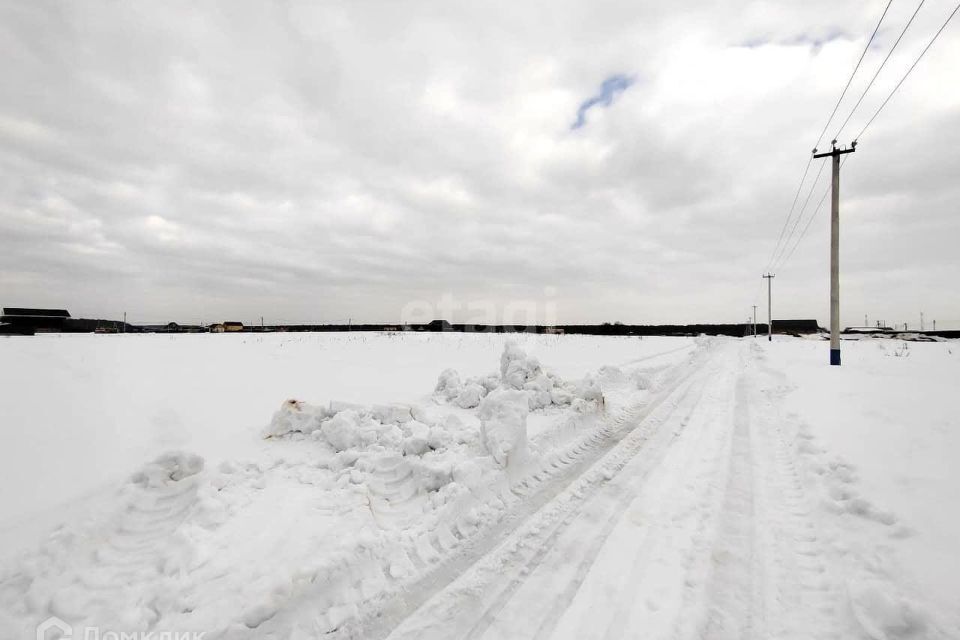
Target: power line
844,92
920,57
778,249
790,214
880,68
796,222
813,215
785,258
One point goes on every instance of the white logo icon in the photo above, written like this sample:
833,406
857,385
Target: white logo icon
47,630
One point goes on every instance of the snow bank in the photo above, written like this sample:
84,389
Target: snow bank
494,399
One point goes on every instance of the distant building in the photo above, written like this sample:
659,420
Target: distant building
35,319
226,327
558,331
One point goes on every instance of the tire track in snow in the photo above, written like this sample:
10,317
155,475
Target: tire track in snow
768,564
804,597
590,548
486,580
734,581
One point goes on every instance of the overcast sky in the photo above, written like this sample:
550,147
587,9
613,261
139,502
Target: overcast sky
602,161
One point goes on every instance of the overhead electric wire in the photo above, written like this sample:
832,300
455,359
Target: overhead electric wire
809,222
786,222
780,263
844,92
799,217
879,69
778,249
920,57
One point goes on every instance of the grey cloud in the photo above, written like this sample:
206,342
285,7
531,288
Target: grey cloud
331,161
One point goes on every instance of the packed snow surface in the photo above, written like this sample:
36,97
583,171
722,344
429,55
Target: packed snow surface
448,486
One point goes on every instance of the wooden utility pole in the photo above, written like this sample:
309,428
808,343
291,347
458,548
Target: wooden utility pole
835,154
754,321
769,278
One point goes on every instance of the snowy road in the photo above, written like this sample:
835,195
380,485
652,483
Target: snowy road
698,528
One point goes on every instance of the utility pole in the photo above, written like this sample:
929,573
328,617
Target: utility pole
835,154
124,322
934,325
921,321
769,278
754,321
865,323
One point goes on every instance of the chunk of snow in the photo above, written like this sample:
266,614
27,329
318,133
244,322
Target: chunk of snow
503,426
342,431
516,367
448,384
589,389
418,442
467,473
470,396
295,416
172,466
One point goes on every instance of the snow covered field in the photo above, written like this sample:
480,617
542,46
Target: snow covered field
451,485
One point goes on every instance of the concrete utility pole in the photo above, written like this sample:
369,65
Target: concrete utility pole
769,278
754,321
835,154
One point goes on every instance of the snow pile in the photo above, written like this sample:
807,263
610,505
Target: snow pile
465,395
519,372
407,430
416,430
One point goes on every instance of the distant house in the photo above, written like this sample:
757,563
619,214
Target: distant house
226,327
557,331
35,319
